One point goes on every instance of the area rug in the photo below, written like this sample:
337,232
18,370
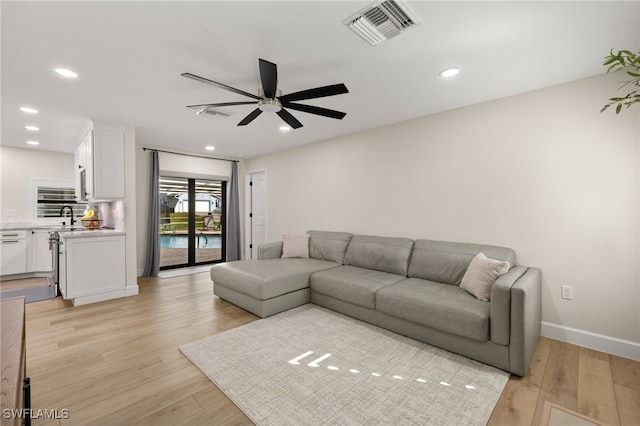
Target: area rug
34,294
313,366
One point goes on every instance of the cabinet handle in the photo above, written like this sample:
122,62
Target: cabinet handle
9,241
10,235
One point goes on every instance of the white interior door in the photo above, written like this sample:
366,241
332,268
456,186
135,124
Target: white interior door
257,212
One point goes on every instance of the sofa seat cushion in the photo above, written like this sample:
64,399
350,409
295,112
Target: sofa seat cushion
265,279
440,306
352,284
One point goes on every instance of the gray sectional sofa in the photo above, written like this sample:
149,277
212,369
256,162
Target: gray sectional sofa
406,286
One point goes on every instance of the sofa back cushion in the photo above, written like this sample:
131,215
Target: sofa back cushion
326,245
386,254
446,262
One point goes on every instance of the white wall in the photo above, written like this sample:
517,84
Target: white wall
18,165
130,209
178,165
543,173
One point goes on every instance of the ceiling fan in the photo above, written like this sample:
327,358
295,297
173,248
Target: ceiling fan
270,98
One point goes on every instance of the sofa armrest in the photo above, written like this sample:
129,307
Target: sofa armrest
526,316
500,309
270,250
516,314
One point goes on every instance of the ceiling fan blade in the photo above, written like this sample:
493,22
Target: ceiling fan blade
289,119
249,118
220,85
318,92
269,78
223,104
331,113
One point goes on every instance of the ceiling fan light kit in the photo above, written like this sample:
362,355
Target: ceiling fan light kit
270,98
269,104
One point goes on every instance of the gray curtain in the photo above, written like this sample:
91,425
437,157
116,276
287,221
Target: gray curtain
152,262
233,220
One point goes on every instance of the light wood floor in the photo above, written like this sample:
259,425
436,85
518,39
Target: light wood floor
117,363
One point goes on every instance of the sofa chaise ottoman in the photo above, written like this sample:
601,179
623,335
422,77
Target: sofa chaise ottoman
275,284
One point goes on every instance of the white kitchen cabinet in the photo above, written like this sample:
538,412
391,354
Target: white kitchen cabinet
13,252
38,253
99,162
83,162
92,268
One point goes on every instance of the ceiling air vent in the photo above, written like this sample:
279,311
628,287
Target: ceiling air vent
210,112
382,20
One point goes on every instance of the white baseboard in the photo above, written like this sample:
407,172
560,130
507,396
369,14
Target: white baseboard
599,342
108,295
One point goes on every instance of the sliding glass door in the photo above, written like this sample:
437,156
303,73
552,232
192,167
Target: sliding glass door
191,221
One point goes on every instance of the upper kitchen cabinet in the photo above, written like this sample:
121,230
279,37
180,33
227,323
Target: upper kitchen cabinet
99,162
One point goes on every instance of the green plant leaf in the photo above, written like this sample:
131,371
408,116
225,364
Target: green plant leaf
629,62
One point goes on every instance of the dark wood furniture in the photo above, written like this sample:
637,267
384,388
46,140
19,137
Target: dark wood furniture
14,396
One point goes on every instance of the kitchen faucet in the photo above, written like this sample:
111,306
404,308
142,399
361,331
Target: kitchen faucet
70,211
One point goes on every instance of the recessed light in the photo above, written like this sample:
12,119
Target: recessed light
66,73
285,129
210,148
33,142
450,72
29,110
31,128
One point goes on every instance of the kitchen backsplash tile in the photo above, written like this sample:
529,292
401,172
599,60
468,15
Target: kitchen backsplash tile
112,214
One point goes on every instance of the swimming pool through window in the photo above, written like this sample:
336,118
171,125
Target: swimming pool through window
182,241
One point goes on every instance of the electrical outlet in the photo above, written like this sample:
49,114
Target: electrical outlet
567,292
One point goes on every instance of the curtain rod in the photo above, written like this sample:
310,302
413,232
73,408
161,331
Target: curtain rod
188,155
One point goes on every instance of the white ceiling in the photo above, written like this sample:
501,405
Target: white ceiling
129,57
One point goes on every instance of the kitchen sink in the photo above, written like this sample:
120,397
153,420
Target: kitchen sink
67,228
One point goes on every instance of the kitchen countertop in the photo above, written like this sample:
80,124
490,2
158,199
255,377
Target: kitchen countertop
64,231
91,233
14,226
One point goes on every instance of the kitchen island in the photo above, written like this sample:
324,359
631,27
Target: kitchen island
92,265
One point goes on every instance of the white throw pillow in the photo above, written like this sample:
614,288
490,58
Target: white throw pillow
481,274
295,245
